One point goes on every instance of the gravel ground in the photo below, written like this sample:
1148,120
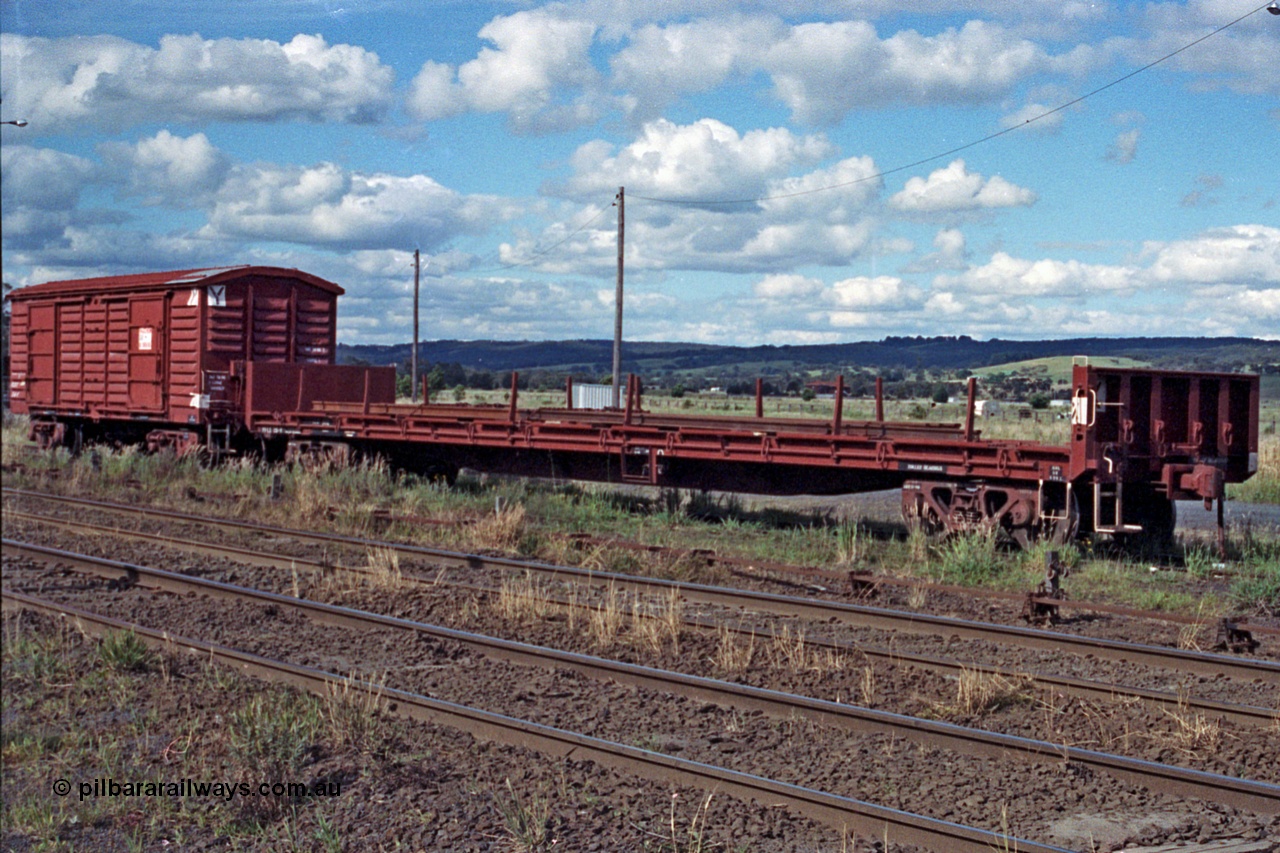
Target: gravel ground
1139,731
414,787
1052,803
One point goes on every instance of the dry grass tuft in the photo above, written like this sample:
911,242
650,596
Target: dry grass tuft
867,686
1190,636
353,715
918,547
384,568
605,622
732,655
657,626
523,598
501,531
527,822
978,692
1195,733
918,597
851,543
791,652
1192,733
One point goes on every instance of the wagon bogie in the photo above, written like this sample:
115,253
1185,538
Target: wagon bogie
1023,514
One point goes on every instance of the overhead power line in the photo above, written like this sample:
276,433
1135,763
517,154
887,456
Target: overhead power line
539,253
959,148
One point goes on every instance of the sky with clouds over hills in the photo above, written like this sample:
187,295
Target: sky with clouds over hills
805,172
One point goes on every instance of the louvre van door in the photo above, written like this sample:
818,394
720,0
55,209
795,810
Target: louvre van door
146,356
42,350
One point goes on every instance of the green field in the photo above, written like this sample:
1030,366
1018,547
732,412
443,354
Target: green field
1057,368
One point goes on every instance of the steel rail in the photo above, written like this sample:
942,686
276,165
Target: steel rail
747,567
1243,714
842,813
766,570
1255,796
1199,663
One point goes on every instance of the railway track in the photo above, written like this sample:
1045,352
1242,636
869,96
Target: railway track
1244,714
862,584
839,812
859,584
1189,661
1260,797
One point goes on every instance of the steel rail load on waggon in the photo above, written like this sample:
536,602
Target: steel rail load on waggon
242,358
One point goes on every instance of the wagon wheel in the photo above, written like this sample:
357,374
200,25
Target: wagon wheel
1054,531
1062,531
924,519
1024,537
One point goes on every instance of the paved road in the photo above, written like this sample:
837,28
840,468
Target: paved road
1264,517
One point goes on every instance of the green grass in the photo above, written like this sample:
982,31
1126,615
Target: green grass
80,710
1264,486
1258,591
1134,585
122,651
971,560
1056,368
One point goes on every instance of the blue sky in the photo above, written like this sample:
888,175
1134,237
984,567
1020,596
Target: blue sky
338,137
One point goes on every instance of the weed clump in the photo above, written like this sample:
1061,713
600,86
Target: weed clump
1258,591
504,530
123,651
973,559
980,692
273,736
528,822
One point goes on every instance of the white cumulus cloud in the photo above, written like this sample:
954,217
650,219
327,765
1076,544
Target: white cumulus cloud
535,55
823,70
325,205
662,62
1125,147
955,188
789,286
1241,253
1005,275
169,169
707,159
110,82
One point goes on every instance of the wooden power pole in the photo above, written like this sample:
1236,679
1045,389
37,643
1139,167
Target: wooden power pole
617,305
413,369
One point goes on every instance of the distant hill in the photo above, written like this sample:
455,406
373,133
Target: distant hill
1057,368
939,353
